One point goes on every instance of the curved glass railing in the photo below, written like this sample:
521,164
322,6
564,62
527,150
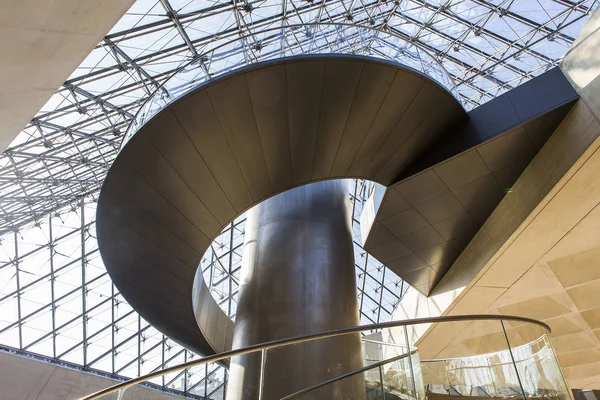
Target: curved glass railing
442,358
286,41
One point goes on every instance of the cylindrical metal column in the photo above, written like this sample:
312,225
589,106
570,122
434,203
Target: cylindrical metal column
298,278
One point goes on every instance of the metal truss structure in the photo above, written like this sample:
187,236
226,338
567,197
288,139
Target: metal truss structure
56,299
58,302
485,47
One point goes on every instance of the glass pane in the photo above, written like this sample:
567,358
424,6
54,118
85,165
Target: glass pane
290,369
467,358
536,361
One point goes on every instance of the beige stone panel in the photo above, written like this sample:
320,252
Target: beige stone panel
455,350
467,339
538,308
536,282
574,342
42,43
433,373
590,93
478,300
574,258
480,330
523,333
438,337
559,215
23,378
592,317
566,324
474,338
584,236
586,296
579,357
582,371
490,343
577,268
585,383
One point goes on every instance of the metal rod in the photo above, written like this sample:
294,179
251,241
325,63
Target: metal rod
380,342
261,382
410,363
307,338
493,381
447,378
381,382
84,286
512,357
560,370
18,281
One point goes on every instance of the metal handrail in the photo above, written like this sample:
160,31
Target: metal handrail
382,343
301,339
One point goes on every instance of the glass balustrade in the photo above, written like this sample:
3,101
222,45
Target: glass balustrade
443,358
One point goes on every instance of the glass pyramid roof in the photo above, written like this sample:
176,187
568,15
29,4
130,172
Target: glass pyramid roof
479,49
56,300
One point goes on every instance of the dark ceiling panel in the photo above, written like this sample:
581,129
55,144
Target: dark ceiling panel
530,103
461,170
399,97
231,103
421,188
446,114
373,87
268,94
202,126
341,83
160,175
449,201
304,87
181,154
419,110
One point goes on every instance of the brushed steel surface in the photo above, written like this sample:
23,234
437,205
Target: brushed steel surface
268,96
400,95
428,98
234,142
298,278
341,81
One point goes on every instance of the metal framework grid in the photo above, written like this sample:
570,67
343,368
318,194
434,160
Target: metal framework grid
58,303
487,47
55,297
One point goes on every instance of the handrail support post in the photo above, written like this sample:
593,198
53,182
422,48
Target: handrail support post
263,363
410,363
512,357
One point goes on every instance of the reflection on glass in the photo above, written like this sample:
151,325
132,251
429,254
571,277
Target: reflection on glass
479,358
534,373
537,366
